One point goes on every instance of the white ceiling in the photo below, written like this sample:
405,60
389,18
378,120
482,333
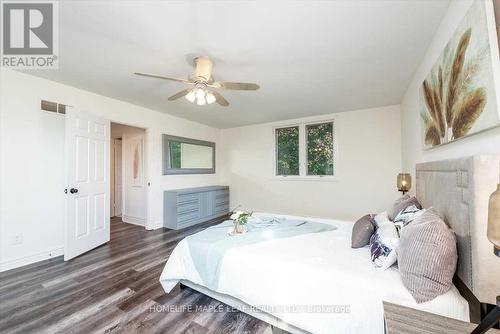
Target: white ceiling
309,57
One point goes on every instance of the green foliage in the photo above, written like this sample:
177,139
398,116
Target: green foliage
287,151
320,149
244,218
175,155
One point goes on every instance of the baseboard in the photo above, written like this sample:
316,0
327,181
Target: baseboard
16,263
133,220
154,226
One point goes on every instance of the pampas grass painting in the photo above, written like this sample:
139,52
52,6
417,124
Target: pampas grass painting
458,96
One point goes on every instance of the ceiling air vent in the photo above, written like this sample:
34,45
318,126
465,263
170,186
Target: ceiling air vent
53,107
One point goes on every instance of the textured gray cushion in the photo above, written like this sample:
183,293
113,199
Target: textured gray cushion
401,204
362,231
427,257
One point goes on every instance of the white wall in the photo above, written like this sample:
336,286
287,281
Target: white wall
484,143
369,158
412,148
32,161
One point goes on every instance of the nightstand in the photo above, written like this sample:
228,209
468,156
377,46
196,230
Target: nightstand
404,320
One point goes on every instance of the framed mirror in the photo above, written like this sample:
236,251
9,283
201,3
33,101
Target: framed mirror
187,156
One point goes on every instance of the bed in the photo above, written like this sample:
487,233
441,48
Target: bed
316,283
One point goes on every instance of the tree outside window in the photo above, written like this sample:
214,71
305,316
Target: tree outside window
320,149
287,151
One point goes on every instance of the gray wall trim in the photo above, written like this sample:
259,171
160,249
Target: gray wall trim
180,171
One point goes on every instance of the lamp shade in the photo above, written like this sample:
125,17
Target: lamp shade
494,220
404,181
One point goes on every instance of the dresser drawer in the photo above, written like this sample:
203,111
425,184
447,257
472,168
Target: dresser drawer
222,193
222,201
187,207
193,214
188,198
222,207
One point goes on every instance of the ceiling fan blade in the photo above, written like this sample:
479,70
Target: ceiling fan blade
220,99
163,77
235,85
179,94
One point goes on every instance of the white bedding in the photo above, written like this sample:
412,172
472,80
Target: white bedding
312,269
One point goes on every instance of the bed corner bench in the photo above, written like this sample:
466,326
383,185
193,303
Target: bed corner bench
405,320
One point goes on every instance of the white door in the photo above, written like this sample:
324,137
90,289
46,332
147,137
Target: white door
88,185
118,177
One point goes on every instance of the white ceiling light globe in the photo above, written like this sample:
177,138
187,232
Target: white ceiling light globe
210,98
191,96
200,94
200,101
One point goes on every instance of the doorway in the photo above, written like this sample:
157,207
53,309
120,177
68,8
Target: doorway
91,142
128,177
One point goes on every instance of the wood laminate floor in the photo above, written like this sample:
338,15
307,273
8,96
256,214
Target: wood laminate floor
113,289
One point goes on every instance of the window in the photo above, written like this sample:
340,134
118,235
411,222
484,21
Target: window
287,151
320,149
305,150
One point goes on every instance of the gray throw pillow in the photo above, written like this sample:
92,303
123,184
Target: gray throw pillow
401,204
362,231
427,257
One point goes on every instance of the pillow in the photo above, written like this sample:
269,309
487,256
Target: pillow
427,257
381,219
402,204
396,204
383,245
407,215
362,231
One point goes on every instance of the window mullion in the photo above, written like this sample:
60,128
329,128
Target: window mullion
302,151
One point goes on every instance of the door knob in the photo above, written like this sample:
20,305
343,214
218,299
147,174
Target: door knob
73,190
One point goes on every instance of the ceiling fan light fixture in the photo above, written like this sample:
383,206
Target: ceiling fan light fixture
210,98
201,101
191,96
200,93
200,84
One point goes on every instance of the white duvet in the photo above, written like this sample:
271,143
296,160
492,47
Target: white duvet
312,270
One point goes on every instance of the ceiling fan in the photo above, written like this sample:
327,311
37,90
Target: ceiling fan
203,90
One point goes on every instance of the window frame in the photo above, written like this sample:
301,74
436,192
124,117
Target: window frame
303,152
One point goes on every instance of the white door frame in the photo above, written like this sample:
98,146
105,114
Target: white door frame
113,180
115,141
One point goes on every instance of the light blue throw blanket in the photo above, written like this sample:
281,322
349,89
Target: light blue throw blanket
209,246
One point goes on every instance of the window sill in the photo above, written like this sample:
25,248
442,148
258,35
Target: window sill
307,178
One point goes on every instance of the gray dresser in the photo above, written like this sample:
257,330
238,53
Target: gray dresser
190,206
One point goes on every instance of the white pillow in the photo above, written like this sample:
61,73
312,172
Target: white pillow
383,246
382,219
